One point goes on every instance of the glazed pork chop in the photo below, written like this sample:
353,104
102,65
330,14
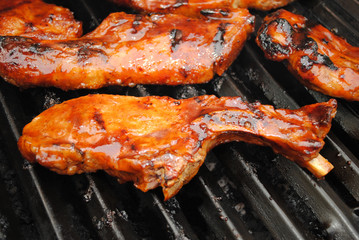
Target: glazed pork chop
129,49
160,141
321,60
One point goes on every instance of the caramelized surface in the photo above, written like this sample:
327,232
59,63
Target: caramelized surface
318,58
130,49
191,7
36,19
159,141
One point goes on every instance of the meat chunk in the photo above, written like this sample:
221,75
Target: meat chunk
128,49
191,7
317,57
38,20
159,141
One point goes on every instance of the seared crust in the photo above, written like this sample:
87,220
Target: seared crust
159,141
317,57
129,49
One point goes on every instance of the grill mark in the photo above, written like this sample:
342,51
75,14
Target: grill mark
218,39
136,23
99,119
176,38
207,12
85,52
180,3
306,63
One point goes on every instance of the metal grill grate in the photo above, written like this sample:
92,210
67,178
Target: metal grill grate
242,191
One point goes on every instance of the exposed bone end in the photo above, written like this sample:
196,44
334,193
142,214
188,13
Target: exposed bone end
319,166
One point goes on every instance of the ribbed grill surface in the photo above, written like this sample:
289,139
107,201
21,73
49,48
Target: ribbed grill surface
241,192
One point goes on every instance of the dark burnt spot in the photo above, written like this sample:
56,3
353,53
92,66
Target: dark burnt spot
325,60
266,40
34,48
183,72
11,52
207,12
305,63
98,118
38,48
133,147
325,41
218,39
176,38
177,103
180,3
197,99
321,115
70,44
30,25
306,44
136,22
51,17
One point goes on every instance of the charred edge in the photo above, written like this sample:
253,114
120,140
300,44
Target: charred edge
266,40
322,116
218,39
176,37
99,119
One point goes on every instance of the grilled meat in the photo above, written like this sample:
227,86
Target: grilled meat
318,58
129,49
36,19
191,7
159,141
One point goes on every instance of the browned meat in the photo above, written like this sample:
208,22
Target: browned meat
191,7
318,58
159,141
36,19
129,49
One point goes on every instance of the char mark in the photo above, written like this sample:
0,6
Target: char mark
176,38
207,12
37,48
136,22
306,63
99,119
180,3
218,39
86,52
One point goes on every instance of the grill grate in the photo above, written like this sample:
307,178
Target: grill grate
242,191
